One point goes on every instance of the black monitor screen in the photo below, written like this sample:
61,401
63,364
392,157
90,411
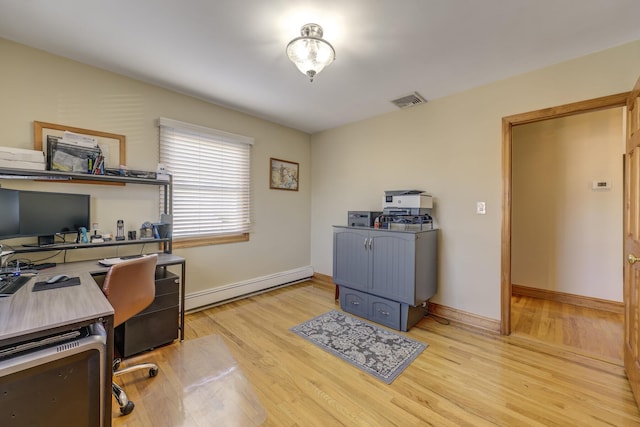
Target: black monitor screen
44,214
9,213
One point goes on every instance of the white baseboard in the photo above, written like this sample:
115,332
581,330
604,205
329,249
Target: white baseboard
235,290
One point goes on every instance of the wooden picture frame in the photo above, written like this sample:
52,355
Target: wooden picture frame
112,144
283,174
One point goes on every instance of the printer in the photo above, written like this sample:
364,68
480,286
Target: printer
406,202
406,210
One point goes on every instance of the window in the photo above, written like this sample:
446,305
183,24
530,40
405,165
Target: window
211,182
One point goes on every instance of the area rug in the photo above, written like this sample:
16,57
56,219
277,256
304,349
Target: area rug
377,351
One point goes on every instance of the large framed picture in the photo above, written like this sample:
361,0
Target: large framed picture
283,175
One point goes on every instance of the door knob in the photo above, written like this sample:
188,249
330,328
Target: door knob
632,259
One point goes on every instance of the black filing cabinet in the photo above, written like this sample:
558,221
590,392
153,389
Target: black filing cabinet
157,324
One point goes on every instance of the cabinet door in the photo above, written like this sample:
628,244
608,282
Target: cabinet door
350,258
393,258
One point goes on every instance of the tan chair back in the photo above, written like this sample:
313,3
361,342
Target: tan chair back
130,286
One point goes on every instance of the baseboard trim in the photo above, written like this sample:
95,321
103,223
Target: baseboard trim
579,300
324,278
464,318
226,293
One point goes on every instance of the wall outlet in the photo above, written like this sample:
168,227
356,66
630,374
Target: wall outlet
481,208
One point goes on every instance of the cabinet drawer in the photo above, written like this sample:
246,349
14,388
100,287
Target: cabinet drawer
147,331
384,311
161,302
166,282
354,302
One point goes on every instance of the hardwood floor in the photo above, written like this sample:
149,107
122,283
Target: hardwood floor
464,377
594,332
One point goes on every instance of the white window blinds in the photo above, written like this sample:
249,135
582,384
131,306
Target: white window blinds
211,179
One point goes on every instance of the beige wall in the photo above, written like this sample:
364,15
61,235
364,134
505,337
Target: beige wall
42,87
450,147
567,237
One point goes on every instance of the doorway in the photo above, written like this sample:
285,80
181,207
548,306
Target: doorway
508,123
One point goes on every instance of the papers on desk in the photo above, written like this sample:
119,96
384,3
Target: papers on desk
108,262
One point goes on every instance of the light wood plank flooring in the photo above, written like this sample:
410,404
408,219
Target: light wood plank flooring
594,332
464,378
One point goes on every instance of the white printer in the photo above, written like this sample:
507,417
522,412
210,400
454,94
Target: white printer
409,201
406,210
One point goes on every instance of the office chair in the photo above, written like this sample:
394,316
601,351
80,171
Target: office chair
130,288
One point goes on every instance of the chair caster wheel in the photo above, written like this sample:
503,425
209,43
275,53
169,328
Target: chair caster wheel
153,372
127,409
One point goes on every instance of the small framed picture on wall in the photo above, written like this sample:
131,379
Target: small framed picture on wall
283,175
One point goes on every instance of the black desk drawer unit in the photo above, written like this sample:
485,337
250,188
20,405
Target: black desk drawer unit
157,324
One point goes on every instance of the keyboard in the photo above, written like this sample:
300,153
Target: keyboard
12,284
107,262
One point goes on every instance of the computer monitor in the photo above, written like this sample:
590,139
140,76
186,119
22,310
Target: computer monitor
9,213
45,214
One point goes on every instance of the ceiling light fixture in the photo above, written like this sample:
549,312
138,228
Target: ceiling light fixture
310,52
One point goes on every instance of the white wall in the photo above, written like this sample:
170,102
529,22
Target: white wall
566,237
43,87
450,147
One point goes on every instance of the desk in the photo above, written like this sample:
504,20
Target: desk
93,268
28,315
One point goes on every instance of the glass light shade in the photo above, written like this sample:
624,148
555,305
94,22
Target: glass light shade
310,53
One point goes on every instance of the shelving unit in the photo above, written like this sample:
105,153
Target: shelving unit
68,246
165,260
14,174
9,173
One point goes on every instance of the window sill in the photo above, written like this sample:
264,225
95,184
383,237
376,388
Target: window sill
209,240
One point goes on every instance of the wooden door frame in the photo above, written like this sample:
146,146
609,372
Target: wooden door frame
611,101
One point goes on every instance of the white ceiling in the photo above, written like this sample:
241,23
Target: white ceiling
232,52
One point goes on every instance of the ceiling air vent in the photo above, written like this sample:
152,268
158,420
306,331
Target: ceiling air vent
409,100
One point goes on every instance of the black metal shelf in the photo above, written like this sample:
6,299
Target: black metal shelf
10,173
67,246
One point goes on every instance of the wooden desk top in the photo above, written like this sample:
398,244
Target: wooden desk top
27,312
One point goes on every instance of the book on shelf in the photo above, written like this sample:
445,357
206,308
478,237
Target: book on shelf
96,165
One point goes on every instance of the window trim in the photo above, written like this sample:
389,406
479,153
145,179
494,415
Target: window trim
192,242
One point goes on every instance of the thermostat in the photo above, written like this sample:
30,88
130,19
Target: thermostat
601,185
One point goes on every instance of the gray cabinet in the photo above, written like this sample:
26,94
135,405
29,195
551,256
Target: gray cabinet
385,275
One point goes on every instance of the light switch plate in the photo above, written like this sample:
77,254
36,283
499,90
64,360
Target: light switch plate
481,208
